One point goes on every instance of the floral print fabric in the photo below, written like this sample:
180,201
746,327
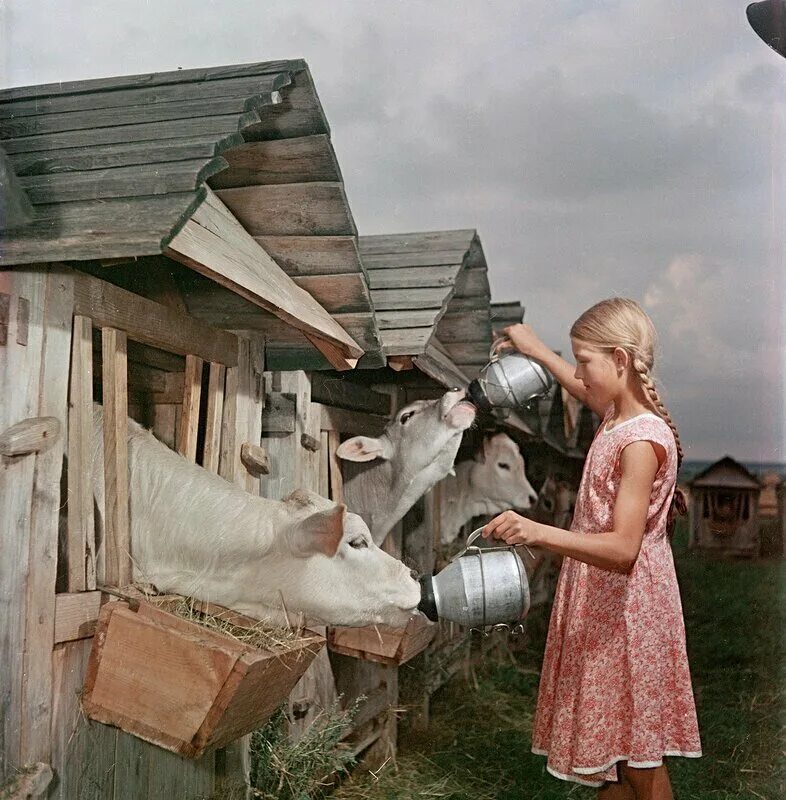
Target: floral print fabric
615,684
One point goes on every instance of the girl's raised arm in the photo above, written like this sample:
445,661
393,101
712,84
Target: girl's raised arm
524,339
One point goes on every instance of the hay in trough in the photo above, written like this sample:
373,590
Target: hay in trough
248,631
258,635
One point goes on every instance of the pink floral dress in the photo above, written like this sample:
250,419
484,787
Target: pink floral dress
615,684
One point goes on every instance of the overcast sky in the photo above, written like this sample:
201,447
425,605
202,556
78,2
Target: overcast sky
606,148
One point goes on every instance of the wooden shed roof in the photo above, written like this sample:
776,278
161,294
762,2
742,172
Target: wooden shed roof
505,314
726,473
122,167
413,277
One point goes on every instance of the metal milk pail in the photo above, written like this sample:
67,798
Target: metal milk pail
479,587
509,380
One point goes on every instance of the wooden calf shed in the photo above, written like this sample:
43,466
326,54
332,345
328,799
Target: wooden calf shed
724,509
111,229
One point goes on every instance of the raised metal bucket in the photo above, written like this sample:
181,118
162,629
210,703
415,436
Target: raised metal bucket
509,380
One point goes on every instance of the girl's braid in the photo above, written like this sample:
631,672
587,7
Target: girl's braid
679,504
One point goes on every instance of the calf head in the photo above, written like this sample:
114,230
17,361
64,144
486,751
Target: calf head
416,450
499,475
335,574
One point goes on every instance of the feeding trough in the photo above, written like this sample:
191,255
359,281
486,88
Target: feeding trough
381,643
186,686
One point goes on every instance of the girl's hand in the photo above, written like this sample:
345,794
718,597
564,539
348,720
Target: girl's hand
523,339
512,528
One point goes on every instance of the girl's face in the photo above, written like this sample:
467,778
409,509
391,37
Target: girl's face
598,370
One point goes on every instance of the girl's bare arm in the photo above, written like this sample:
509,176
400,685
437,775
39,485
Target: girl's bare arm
524,339
614,550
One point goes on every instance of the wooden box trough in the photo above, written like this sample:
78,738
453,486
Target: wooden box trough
182,685
381,643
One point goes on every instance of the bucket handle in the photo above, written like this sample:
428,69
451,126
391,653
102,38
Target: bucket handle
471,546
493,354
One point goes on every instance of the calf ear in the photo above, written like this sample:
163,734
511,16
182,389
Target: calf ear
321,532
361,448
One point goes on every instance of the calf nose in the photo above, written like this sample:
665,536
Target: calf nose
414,574
533,498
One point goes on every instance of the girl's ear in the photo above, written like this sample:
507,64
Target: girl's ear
621,358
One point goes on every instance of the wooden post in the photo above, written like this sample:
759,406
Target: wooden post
20,373
117,542
215,410
81,534
44,518
189,419
336,481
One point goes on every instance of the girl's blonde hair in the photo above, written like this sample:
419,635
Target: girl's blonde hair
619,322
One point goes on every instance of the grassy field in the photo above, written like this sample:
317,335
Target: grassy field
478,743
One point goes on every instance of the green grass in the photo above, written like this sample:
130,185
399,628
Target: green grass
478,742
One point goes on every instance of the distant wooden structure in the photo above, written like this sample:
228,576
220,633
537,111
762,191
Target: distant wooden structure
724,509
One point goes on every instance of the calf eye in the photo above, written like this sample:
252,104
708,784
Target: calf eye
358,544
503,466
406,417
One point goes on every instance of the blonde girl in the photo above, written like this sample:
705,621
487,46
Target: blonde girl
615,694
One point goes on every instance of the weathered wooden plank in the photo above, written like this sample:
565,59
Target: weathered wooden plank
255,459
439,366
407,300
504,314
337,294
33,435
313,255
300,160
138,180
124,154
151,323
83,752
294,209
225,309
472,303
215,411
336,484
405,341
20,374
438,241
99,229
117,539
229,456
342,392
416,318
242,414
41,577
189,419
300,113
169,129
80,548
413,277
75,615
145,95
428,258
94,119
471,282
472,326
463,353
343,420
215,244
15,207
150,79
285,356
